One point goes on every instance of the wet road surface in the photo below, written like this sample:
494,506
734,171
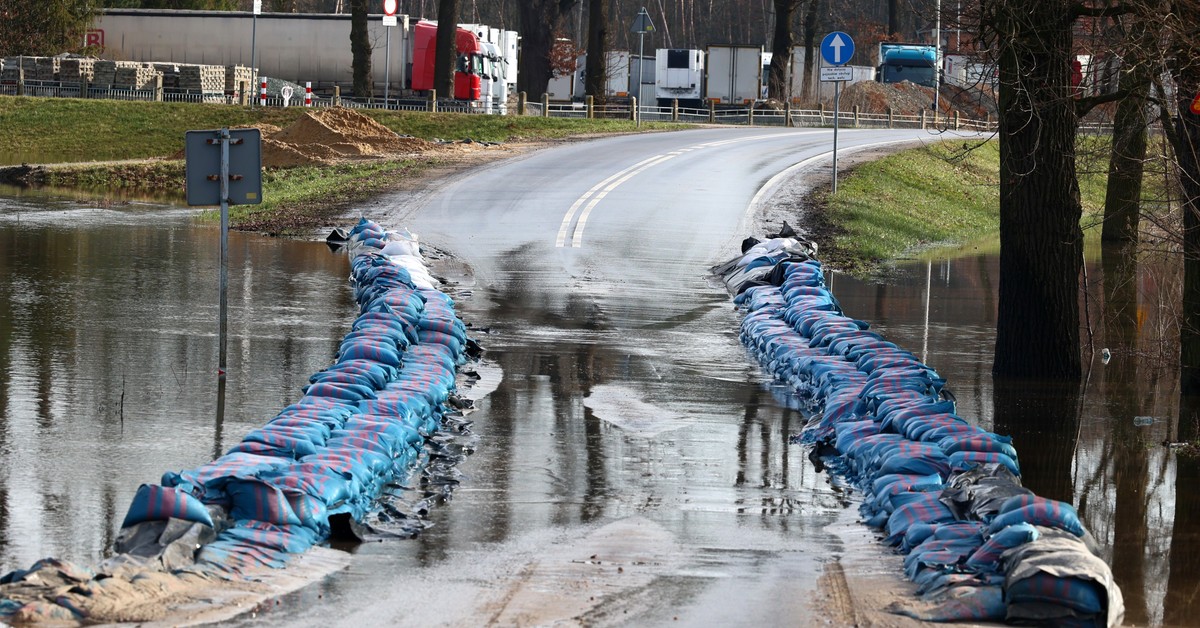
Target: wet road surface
631,467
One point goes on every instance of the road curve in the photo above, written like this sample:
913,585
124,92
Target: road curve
633,466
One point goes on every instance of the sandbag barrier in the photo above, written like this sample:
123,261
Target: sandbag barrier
942,491
315,469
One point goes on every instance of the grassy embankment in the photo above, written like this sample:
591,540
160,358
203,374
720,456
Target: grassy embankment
944,195
59,130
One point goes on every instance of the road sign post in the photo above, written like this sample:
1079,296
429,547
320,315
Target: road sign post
641,26
836,49
389,20
254,34
216,175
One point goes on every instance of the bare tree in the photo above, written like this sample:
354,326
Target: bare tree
1041,242
1185,70
597,49
539,21
446,50
781,48
360,48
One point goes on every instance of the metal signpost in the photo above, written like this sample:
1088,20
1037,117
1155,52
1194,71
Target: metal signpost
254,35
389,20
641,26
836,50
223,167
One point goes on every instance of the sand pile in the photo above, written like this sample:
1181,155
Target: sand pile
906,98
325,136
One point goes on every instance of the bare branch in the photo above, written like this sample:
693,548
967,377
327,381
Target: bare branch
1087,103
1080,9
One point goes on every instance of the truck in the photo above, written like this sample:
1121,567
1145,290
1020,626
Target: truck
499,62
468,69
908,62
679,75
734,74
616,84
298,47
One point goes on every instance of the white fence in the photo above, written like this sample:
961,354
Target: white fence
744,115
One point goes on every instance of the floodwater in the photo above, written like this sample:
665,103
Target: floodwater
107,379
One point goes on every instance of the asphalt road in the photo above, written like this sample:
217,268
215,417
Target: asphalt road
632,467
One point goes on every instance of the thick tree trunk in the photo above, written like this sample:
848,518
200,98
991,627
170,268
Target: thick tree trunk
894,18
781,49
1186,71
597,50
539,21
1188,145
360,49
1122,200
446,49
810,50
1041,243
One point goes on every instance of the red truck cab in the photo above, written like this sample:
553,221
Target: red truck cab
468,67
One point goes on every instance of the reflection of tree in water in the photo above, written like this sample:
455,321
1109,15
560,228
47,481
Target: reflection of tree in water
1182,603
1043,420
1130,463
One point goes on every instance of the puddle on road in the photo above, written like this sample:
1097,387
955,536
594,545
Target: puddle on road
620,406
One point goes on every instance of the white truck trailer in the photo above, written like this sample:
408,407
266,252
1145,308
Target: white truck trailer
735,74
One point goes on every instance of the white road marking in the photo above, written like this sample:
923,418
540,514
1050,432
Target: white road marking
593,196
774,181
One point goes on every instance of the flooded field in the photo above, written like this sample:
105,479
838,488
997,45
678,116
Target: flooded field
607,409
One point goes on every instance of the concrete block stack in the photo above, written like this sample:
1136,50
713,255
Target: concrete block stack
136,76
236,74
12,63
45,69
106,71
170,72
203,78
75,70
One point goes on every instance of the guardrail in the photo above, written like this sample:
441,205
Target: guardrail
743,116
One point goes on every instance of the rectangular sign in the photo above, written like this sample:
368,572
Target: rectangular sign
202,168
389,20
840,73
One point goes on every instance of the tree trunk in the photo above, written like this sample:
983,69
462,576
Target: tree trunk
597,50
810,50
781,49
1186,72
360,49
894,18
1122,200
1041,243
1188,143
446,50
539,21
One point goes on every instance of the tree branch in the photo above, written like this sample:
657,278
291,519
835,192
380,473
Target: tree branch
1087,103
1080,9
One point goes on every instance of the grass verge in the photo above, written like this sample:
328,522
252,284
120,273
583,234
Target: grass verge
295,200
941,195
68,130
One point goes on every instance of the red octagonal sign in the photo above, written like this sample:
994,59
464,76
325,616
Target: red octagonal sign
389,7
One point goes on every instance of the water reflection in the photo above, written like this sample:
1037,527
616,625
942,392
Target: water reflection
1098,444
107,375
108,357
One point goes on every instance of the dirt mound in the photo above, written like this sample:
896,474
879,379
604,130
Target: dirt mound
325,136
906,98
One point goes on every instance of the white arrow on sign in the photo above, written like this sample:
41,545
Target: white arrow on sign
836,43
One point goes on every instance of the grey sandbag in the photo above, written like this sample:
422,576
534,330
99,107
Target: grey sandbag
1059,555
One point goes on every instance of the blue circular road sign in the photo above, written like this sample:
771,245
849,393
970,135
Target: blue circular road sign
837,48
